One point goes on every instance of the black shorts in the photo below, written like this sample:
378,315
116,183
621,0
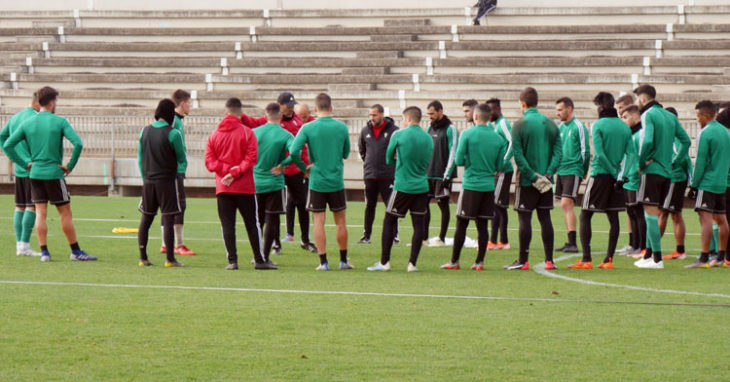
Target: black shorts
23,195
527,198
437,189
163,195
602,196
475,205
52,191
272,202
567,186
630,196
400,203
710,202
297,186
674,202
653,190
502,184
318,201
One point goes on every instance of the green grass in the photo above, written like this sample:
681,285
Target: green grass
579,332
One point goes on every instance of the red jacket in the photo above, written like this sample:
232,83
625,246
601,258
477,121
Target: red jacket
232,149
293,125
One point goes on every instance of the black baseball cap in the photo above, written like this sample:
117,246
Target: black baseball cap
287,99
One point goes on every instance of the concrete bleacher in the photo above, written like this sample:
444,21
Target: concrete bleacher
112,66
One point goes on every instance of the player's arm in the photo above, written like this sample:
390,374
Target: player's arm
139,154
390,151
507,136
295,149
250,147
461,151
75,140
519,153
292,158
4,134
211,159
585,147
557,150
600,153
452,136
701,163
684,142
253,122
11,152
627,160
176,140
646,140
499,161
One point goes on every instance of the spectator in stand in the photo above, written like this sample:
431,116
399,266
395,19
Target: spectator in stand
483,8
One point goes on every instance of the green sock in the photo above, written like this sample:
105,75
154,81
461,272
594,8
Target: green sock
653,234
18,224
28,224
713,243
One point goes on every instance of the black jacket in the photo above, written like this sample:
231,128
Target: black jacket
372,151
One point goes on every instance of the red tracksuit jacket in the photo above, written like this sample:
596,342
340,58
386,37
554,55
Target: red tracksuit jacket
232,149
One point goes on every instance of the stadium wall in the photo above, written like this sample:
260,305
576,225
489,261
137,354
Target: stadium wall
105,5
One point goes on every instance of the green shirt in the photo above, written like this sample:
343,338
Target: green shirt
682,167
22,149
576,149
481,151
410,149
328,141
630,169
713,159
504,130
659,129
177,124
273,143
536,146
175,139
611,139
44,133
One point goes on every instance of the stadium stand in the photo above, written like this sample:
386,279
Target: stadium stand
113,66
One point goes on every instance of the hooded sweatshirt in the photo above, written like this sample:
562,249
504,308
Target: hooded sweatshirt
232,149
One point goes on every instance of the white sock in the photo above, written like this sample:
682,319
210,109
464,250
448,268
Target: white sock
162,235
178,234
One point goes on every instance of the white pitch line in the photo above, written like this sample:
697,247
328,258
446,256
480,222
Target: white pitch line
540,268
347,293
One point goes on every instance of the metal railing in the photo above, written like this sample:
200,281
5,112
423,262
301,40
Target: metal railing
117,136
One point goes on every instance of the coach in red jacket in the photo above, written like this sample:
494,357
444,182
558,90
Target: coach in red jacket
296,184
231,154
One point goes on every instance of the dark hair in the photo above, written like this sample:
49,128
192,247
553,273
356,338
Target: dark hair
470,102
627,99
633,109
414,113
323,102
646,89
436,105
46,94
706,107
724,118
724,105
378,107
273,110
165,111
529,97
565,101
180,96
234,103
494,102
483,111
604,100
672,110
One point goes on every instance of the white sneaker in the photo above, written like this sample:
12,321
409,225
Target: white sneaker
637,263
624,250
19,248
436,242
24,250
412,268
45,259
650,264
380,267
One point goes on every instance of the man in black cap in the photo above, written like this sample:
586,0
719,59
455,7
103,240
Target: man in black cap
296,183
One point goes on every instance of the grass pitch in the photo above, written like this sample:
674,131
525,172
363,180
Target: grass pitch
111,320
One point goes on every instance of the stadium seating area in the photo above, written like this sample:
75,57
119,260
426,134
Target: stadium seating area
112,66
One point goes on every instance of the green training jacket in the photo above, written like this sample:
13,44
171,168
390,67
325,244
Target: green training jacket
611,140
713,159
410,149
22,149
328,141
576,149
659,129
536,146
273,146
481,151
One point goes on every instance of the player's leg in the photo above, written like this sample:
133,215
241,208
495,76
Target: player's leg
340,218
568,204
613,234
459,239
227,214
723,234
371,201
586,233
143,237
319,236
482,234
417,220
179,226
248,208
443,204
385,188
680,231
